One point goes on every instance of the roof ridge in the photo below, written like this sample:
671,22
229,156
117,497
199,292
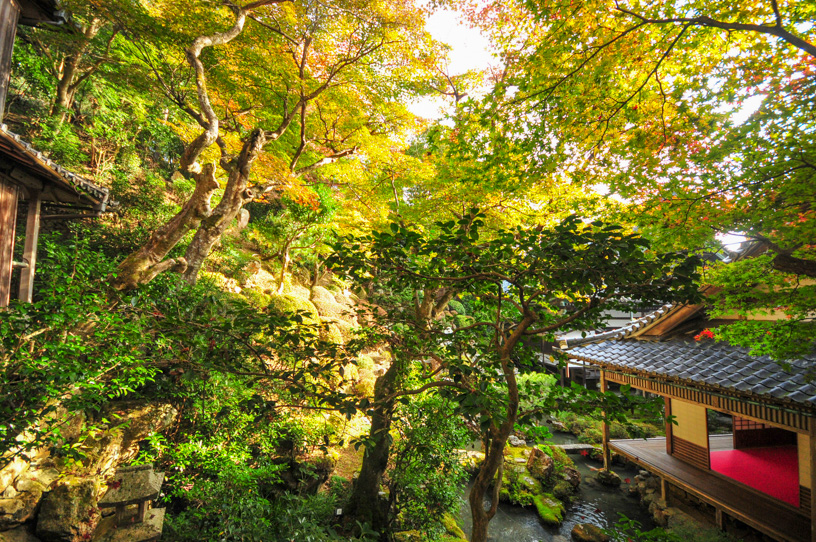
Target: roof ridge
620,333
74,179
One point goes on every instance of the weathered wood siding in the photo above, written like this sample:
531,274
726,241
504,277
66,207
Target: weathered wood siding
8,222
9,13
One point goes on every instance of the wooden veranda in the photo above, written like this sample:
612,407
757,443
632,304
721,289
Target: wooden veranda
765,514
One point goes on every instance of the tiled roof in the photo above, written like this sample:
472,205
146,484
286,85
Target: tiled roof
621,332
707,362
18,149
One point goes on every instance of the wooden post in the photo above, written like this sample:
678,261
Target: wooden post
605,428
32,235
664,490
718,516
669,428
8,223
812,424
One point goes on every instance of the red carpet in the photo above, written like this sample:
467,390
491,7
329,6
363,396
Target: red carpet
774,470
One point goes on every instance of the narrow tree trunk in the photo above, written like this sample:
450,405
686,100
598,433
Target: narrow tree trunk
494,454
235,196
366,504
70,76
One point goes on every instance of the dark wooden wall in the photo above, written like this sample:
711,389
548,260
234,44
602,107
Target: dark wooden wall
9,13
752,434
8,219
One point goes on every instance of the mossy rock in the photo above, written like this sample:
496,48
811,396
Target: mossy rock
220,281
256,297
518,485
550,510
288,304
563,490
452,528
365,362
331,333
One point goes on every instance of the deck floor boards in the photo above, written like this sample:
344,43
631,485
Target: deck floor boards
752,507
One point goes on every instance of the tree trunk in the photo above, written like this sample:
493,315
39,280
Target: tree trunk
71,77
146,263
366,504
235,196
494,460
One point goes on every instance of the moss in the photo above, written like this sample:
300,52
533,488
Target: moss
365,362
561,458
331,333
257,298
287,303
563,490
550,510
452,527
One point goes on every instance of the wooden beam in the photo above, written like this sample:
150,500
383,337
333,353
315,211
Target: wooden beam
667,410
8,223
32,235
604,427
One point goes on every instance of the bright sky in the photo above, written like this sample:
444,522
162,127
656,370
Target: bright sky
469,51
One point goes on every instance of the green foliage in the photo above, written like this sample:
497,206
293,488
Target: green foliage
240,504
626,529
426,477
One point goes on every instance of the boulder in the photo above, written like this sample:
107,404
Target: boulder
68,512
540,465
550,510
572,476
587,532
516,442
20,508
563,490
19,534
608,478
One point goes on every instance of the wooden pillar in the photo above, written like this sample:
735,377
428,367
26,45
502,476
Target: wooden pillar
607,460
812,424
718,517
8,223
32,235
664,490
669,428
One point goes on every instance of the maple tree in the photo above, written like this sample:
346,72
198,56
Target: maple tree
699,114
280,88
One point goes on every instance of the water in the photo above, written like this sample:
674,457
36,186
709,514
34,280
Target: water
594,503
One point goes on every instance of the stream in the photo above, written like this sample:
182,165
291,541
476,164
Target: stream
594,503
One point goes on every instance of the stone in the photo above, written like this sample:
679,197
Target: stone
243,219
21,507
540,465
18,534
68,512
550,510
516,442
572,476
559,426
608,478
587,532
563,490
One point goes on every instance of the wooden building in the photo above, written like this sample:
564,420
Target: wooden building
759,470
26,175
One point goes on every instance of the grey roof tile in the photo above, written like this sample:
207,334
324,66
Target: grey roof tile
707,362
